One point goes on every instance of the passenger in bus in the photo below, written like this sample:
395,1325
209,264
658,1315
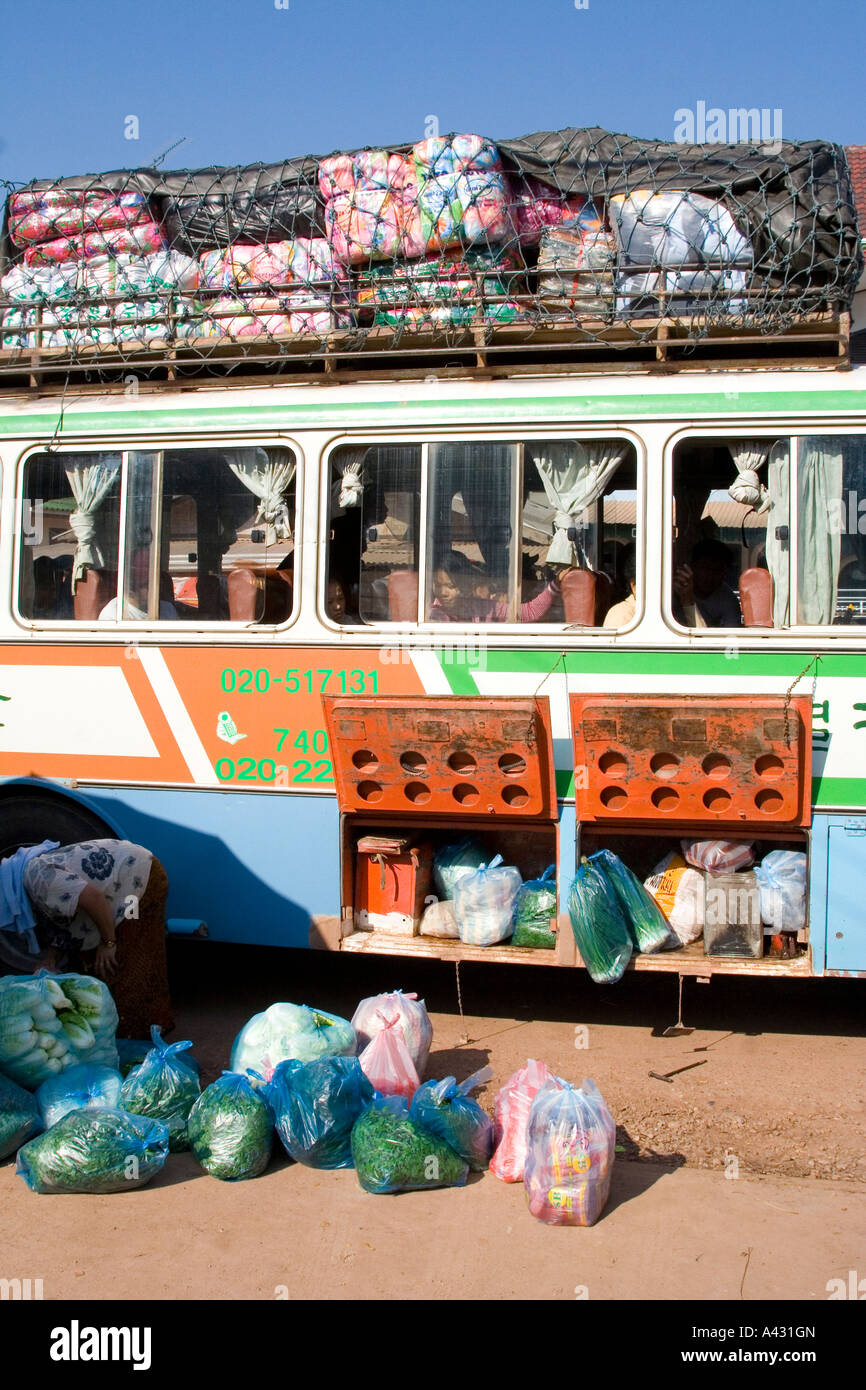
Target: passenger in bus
702,596
464,594
135,604
335,602
621,614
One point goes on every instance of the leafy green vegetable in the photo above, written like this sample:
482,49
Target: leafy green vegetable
164,1088
445,1109
19,1116
48,1023
533,908
230,1129
394,1154
94,1151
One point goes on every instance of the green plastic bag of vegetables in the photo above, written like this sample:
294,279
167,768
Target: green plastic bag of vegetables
646,922
19,1116
600,928
393,1153
51,1022
164,1087
231,1130
94,1151
534,906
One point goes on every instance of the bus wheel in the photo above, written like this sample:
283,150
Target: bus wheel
28,817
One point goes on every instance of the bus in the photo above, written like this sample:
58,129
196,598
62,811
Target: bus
252,625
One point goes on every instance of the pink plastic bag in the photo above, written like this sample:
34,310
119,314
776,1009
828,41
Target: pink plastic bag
511,1119
718,856
387,1063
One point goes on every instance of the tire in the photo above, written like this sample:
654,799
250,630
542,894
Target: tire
29,816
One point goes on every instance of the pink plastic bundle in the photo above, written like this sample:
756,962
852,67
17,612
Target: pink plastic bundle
143,238
718,856
41,215
230,318
366,198
536,206
225,269
511,1119
387,1063
372,1014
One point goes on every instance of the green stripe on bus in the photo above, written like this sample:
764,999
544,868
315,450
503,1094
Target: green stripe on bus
839,791
497,408
565,783
692,663
457,673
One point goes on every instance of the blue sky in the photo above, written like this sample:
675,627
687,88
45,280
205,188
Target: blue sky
242,80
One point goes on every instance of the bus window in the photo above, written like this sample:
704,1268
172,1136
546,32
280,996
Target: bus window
208,536
831,529
373,558
730,536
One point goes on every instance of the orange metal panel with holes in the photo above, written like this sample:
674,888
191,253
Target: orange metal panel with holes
443,756
734,761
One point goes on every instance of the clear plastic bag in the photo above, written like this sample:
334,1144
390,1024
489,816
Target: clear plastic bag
387,1062
781,879
164,1087
51,1022
484,903
571,1142
230,1129
84,1087
718,856
19,1116
511,1118
453,862
645,919
448,1111
534,906
315,1106
371,1015
290,1032
94,1151
599,925
439,920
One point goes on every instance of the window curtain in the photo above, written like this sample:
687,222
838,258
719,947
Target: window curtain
749,455
819,488
574,477
90,479
268,479
777,548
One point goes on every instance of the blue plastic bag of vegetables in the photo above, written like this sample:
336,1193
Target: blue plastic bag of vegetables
599,926
19,1116
94,1151
231,1129
78,1088
315,1105
647,923
448,1111
394,1153
534,906
164,1087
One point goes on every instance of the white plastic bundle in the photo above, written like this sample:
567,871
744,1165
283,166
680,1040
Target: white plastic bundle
484,903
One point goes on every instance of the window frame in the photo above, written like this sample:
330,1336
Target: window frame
425,630
160,444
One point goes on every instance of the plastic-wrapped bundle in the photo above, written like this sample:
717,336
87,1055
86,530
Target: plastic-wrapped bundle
162,272
454,861
534,906
46,214
782,878
287,1032
94,1151
230,1129
84,1087
439,920
535,206
571,1144
600,928
19,1116
450,289
366,196
679,893
511,1118
164,1087
143,238
646,921
448,1111
393,1153
718,856
575,264
34,284
373,1014
484,903
315,1106
387,1062
51,1022
462,195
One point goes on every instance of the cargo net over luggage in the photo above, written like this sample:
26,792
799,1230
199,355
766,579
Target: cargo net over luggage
579,237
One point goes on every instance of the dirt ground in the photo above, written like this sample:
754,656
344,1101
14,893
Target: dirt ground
742,1178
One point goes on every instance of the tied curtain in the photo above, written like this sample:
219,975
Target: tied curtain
820,470
268,478
90,479
749,455
574,476
347,490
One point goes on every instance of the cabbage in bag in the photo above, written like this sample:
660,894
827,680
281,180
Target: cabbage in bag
290,1032
534,906
230,1129
164,1087
600,928
448,1111
19,1116
315,1106
393,1153
373,1014
51,1022
94,1151
84,1087
647,923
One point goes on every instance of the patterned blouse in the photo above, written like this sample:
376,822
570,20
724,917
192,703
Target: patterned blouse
54,882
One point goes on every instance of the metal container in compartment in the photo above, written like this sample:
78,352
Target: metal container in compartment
732,915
